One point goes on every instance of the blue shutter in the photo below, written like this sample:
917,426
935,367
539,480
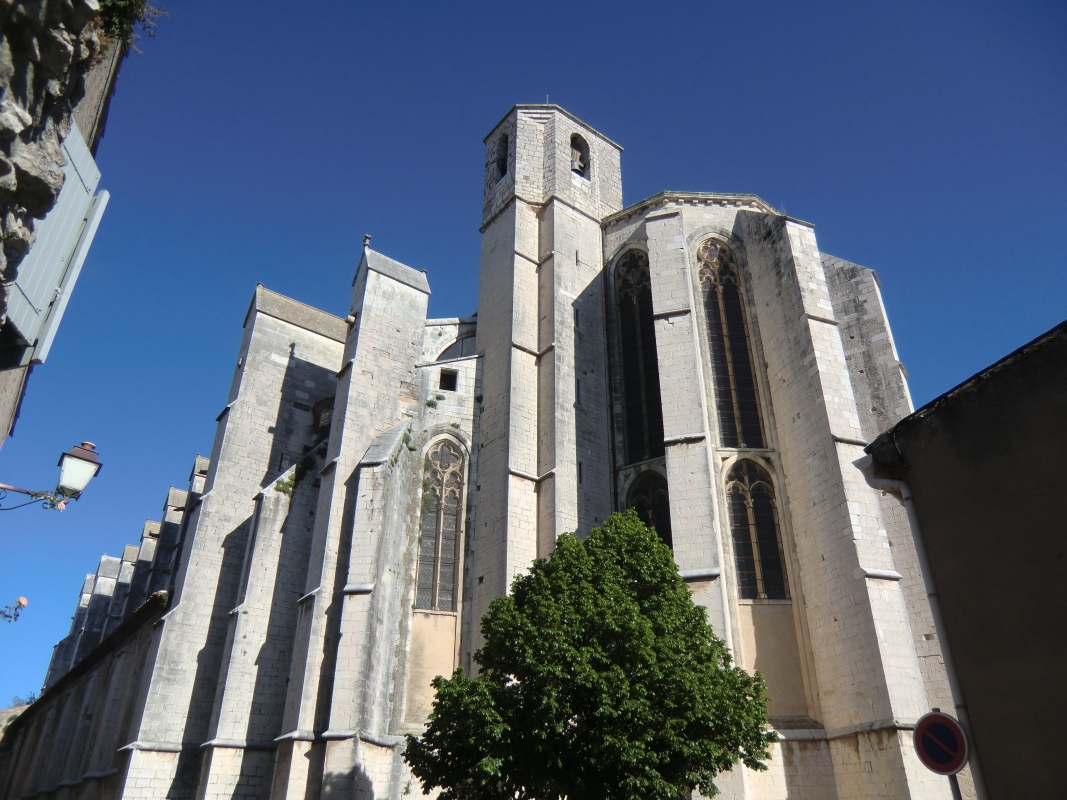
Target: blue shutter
48,273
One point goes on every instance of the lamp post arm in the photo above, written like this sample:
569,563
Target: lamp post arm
50,499
6,488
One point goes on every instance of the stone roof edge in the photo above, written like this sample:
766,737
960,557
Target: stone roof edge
824,255
322,326
148,612
391,268
667,196
887,439
553,107
452,321
385,444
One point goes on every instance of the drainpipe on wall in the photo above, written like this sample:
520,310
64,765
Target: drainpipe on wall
902,491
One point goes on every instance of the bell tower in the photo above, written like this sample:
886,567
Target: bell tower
544,468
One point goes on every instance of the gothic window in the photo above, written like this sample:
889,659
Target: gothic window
500,161
439,529
648,496
579,156
459,349
754,529
736,396
642,412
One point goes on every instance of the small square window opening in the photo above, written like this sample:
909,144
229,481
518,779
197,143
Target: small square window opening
448,380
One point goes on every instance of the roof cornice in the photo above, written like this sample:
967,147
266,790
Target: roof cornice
549,107
665,199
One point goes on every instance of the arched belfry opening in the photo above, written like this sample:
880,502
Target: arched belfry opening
500,159
579,156
755,532
642,409
440,527
736,395
648,496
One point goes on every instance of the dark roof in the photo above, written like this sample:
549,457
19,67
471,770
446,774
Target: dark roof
884,449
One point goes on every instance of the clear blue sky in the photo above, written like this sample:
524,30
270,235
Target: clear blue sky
258,142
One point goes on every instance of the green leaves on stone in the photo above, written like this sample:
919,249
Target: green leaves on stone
120,19
600,679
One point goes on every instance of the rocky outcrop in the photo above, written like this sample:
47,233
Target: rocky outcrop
45,49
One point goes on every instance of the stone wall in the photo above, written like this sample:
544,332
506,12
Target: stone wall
112,594
45,49
67,745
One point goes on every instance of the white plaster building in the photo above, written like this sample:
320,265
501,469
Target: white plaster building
376,481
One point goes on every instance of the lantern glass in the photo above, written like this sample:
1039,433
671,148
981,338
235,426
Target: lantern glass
75,471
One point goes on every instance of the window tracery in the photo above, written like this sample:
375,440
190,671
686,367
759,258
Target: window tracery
755,533
734,381
440,528
649,497
642,409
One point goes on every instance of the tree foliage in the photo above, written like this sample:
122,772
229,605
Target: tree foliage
120,18
600,679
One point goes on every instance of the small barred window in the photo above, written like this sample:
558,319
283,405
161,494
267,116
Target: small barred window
440,528
736,396
756,537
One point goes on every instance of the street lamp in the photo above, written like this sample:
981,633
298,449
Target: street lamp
77,467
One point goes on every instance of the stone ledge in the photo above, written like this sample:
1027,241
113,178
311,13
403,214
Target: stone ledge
671,312
683,438
297,736
701,574
876,574
817,318
240,744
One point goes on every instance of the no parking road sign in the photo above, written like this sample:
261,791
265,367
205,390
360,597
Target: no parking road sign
940,743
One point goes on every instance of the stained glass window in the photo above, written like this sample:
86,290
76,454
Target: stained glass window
440,528
648,496
642,412
754,529
736,395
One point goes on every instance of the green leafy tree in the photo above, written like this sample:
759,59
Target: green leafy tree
600,679
120,19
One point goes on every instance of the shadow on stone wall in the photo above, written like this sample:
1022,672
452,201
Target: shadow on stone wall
208,660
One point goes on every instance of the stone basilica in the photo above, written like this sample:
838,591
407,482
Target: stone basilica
375,481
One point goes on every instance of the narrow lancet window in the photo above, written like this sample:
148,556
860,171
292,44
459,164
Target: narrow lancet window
642,410
439,530
736,396
501,159
649,498
755,533
579,156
